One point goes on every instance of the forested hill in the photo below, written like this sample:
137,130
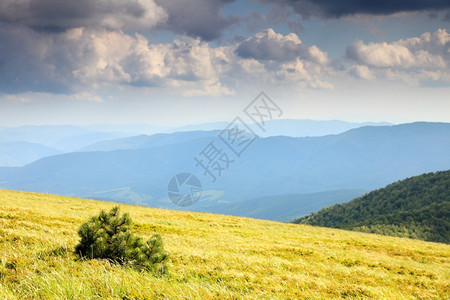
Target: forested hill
417,207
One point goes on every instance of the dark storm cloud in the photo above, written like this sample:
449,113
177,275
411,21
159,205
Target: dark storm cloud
196,18
337,9
22,65
57,15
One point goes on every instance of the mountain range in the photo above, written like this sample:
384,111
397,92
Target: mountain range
139,170
46,140
21,153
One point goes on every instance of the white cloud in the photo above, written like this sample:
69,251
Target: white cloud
413,60
299,72
381,54
269,45
361,71
190,65
16,98
283,60
85,96
317,55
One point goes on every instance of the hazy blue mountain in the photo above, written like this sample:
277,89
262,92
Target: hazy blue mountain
360,159
65,138
16,154
45,134
203,127
129,129
285,207
308,128
104,137
288,127
148,141
294,128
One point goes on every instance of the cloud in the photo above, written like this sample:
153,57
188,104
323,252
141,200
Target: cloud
189,64
60,62
269,45
16,98
86,58
426,57
24,62
86,96
303,72
278,14
360,72
56,16
283,60
196,18
381,54
338,9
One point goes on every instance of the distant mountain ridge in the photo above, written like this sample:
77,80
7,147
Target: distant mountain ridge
417,207
16,154
148,141
70,138
291,128
65,138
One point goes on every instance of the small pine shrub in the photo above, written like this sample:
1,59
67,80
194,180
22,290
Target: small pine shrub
109,236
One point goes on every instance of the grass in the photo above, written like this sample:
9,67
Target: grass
212,257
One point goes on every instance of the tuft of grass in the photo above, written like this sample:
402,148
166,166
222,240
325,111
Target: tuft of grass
212,256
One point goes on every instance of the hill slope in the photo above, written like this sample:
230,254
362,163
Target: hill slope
417,207
212,257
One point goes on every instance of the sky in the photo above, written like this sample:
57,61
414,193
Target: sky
175,62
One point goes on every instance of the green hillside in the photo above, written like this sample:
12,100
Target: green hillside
417,207
211,257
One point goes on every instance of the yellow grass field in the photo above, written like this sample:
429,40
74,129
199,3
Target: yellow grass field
211,257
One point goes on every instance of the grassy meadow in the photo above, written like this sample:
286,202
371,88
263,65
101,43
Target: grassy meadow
211,257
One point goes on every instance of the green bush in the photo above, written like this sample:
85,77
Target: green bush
109,236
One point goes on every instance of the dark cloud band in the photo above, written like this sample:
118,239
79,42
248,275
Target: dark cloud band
55,15
196,18
337,9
